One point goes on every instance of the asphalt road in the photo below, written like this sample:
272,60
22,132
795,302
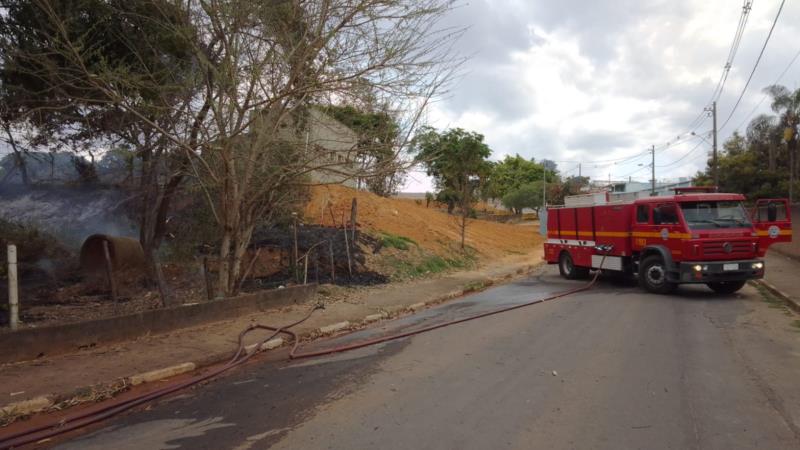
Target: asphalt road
610,368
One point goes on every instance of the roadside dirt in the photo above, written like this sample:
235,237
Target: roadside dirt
431,228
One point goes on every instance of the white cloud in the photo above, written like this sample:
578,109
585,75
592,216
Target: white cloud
597,80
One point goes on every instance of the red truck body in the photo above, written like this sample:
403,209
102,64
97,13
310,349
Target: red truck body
694,236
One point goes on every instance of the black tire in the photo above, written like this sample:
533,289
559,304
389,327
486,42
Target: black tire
567,268
726,287
653,276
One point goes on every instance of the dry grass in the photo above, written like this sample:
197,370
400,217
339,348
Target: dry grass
430,228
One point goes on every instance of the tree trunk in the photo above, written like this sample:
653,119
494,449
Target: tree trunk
463,228
224,264
153,218
464,211
19,158
771,157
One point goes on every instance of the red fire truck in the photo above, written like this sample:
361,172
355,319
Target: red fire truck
696,235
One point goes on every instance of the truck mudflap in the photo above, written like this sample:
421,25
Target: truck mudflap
710,272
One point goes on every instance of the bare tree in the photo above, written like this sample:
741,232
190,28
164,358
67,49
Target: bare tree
235,122
281,60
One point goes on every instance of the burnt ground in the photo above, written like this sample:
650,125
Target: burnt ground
56,291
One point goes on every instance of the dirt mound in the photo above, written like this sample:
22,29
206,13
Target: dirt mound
430,228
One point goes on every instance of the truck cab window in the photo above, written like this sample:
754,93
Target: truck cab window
665,215
642,214
772,212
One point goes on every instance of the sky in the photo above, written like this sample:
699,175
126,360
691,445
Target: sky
589,81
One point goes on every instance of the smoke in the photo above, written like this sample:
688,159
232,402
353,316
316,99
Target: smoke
70,213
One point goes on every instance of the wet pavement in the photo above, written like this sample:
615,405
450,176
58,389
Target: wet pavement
613,367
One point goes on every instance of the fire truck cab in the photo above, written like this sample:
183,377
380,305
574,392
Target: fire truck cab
696,235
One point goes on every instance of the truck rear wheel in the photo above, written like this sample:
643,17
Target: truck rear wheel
726,287
567,268
653,276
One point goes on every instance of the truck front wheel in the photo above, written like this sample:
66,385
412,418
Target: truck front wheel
653,276
567,269
726,287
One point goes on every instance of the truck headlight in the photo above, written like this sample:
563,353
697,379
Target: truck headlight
698,268
758,265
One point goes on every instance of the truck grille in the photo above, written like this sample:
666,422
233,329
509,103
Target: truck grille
727,248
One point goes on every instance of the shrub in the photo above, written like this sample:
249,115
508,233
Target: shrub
395,241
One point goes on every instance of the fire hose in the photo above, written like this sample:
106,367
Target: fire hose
116,406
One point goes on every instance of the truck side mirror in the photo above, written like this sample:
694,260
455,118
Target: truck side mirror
772,212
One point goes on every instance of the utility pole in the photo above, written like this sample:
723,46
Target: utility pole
653,169
714,165
544,186
579,170
788,136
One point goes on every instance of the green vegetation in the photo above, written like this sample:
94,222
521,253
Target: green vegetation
378,135
776,302
395,241
458,161
32,244
760,162
429,265
526,196
770,298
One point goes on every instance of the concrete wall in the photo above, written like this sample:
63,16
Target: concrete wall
338,143
32,343
791,248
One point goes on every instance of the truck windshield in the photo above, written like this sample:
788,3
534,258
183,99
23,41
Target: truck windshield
709,215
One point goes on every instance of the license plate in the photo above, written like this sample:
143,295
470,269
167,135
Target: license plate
730,267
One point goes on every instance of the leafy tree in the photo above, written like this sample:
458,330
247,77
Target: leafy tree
84,71
764,137
448,197
526,196
571,186
458,162
761,163
787,104
378,137
550,165
743,169
512,173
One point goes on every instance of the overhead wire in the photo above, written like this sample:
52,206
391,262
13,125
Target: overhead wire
777,80
755,66
682,157
737,38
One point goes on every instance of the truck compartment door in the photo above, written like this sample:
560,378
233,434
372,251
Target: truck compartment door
773,222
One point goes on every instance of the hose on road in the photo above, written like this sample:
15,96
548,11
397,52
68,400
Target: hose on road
113,407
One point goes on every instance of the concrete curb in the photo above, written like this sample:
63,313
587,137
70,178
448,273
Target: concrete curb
790,302
160,374
47,402
333,328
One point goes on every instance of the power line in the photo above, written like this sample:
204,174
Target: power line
755,66
791,63
682,157
737,38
